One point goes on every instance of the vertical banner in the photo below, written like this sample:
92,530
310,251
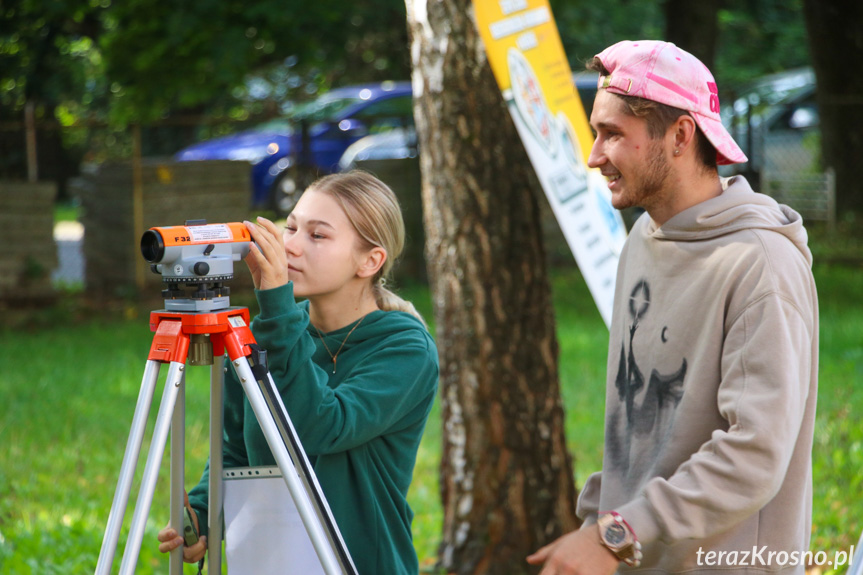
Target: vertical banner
527,57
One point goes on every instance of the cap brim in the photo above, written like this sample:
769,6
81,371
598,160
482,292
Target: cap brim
727,150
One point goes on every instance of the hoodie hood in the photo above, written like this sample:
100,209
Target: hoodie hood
737,208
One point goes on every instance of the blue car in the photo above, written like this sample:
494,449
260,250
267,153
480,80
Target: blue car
286,154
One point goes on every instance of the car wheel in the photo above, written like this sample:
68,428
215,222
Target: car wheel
286,192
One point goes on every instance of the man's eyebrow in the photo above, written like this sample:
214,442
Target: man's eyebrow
606,126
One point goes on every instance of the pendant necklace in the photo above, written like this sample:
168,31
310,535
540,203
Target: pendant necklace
335,356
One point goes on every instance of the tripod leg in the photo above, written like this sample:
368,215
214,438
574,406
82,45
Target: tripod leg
127,470
298,474
151,470
178,473
216,495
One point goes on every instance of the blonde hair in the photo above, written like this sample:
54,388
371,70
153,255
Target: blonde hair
374,212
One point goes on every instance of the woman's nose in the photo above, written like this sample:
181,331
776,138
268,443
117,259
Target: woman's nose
291,245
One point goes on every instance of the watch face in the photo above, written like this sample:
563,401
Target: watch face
615,534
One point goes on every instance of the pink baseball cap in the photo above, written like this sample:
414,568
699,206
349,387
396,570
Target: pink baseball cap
662,72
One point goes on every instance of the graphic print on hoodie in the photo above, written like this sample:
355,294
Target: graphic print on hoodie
644,407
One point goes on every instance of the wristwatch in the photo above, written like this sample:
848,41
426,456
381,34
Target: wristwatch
617,535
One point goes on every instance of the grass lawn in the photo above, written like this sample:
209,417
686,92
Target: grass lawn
70,384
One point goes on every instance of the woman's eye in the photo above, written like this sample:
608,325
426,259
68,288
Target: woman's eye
317,236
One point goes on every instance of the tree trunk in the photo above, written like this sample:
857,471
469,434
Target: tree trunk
835,29
506,477
693,26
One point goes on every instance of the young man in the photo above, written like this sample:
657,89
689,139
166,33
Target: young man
713,356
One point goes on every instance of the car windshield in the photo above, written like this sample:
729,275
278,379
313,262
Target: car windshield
276,125
322,109
319,110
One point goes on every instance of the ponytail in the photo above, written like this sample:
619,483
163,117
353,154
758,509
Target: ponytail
389,301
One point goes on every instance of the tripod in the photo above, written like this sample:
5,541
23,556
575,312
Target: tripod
197,337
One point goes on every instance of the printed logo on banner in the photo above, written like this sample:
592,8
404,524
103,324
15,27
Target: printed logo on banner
530,101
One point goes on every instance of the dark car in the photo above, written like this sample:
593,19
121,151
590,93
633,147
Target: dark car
776,123
402,143
288,152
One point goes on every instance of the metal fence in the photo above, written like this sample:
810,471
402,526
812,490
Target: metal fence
776,122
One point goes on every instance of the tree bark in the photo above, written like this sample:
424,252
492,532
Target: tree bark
835,30
693,26
506,477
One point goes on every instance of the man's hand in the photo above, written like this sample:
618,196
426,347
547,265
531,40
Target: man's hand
577,553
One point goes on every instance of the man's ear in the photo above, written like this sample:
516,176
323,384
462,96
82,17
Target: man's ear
683,133
371,262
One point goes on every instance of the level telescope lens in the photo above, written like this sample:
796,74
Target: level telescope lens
152,246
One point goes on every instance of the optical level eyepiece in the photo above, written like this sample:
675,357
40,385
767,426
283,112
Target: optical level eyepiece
152,246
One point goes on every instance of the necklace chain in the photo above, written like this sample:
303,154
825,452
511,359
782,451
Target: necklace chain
344,341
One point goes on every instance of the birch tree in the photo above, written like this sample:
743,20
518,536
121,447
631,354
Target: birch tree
506,477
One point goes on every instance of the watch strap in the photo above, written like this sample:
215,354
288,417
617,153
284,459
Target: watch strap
616,534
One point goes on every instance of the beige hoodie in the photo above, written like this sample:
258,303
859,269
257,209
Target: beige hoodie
712,383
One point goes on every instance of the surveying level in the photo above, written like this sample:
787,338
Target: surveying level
193,329
196,256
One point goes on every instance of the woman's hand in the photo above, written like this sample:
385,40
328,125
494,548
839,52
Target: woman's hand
267,259
170,539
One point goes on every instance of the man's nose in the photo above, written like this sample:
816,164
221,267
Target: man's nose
597,156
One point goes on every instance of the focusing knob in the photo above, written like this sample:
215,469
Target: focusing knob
201,268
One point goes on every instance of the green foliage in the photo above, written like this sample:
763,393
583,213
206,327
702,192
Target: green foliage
759,37
838,461
202,54
140,60
841,246
756,37
45,50
66,211
587,28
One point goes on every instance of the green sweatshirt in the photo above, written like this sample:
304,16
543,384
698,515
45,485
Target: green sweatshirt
361,426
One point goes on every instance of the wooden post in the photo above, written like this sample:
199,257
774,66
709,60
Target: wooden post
831,199
30,134
137,201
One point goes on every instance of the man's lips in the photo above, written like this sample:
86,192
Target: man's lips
612,180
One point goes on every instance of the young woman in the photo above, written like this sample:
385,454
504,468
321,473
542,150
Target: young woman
355,365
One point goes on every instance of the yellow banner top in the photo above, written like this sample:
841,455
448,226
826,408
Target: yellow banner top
510,28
